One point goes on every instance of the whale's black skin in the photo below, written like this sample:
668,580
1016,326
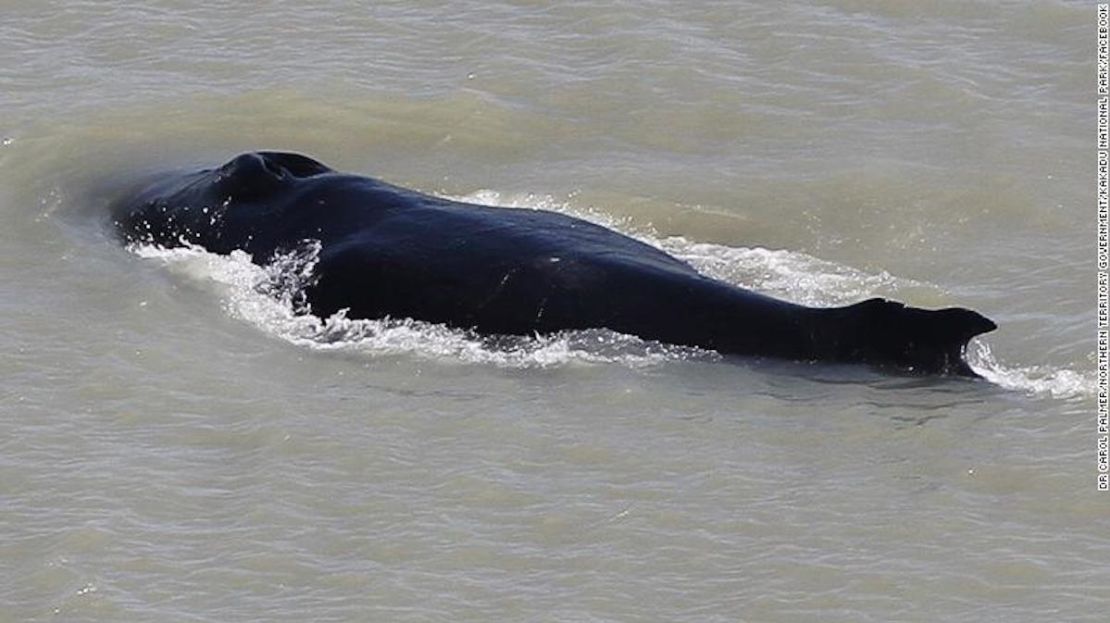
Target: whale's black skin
389,251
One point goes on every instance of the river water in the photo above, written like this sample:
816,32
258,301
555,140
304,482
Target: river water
176,446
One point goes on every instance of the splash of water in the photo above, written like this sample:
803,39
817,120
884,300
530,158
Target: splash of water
1038,380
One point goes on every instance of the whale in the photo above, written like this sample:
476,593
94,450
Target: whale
385,251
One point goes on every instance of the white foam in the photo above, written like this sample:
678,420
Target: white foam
789,275
1037,380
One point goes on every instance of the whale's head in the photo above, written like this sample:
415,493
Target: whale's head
257,175
193,207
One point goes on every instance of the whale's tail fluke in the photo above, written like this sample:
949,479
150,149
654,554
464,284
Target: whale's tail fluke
921,341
